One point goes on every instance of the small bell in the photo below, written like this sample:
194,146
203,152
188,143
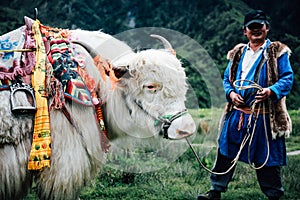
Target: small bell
22,99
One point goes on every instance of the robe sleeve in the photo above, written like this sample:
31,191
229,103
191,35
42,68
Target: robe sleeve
285,77
228,87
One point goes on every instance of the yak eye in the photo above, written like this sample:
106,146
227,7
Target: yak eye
153,87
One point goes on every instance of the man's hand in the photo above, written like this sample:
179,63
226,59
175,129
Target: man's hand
236,99
264,94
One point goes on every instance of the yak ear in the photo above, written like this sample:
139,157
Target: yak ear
121,71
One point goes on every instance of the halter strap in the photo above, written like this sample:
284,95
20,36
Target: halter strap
167,121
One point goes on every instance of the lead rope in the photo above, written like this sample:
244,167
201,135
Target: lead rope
256,86
203,166
267,140
247,136
235,160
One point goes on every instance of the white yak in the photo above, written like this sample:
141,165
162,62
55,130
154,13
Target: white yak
152,86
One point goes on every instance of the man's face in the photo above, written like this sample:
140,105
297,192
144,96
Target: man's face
256,32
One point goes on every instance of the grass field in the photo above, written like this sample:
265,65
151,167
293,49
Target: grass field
150,174
185,180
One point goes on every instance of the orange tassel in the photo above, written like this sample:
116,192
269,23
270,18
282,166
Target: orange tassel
105,68
241,121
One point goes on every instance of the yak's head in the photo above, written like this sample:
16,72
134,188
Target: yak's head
149,96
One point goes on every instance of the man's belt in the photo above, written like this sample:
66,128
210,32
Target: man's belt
248,110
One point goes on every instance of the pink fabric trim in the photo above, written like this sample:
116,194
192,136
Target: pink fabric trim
22,66
28,57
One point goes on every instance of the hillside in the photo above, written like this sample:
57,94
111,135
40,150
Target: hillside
215,25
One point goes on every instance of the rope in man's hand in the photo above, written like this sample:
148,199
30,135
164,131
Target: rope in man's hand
261,95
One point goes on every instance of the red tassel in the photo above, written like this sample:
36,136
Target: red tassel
103,135
241,121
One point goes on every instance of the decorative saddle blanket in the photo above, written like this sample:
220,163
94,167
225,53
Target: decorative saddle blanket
15,62
42,56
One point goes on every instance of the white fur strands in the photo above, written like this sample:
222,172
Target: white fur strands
150,68
160,66
76,154
15,145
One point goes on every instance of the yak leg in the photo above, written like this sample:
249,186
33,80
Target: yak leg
15,145
76,154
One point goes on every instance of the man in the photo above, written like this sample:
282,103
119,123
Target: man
256,122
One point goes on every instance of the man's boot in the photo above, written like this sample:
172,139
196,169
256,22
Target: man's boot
212,194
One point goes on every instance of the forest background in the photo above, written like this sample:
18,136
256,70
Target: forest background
215,24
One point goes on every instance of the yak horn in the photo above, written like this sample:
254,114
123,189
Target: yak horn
165,42
87,47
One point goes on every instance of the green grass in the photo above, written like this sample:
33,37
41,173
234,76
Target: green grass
294,140
183,178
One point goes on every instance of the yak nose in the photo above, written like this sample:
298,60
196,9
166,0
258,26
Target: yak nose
182,128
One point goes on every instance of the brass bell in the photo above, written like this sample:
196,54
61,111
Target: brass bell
22,99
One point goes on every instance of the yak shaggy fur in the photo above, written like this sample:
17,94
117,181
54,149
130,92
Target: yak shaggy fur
76,153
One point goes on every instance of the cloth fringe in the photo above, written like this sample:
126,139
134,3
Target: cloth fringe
66,67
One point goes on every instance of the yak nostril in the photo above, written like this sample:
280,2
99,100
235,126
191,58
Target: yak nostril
182,133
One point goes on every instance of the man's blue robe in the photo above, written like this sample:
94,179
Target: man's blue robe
230,138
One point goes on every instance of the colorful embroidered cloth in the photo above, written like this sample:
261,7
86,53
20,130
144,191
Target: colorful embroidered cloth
9,60
77,85
40,151
17,55
65,66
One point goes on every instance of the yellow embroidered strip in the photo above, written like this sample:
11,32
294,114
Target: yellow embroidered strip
41,144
